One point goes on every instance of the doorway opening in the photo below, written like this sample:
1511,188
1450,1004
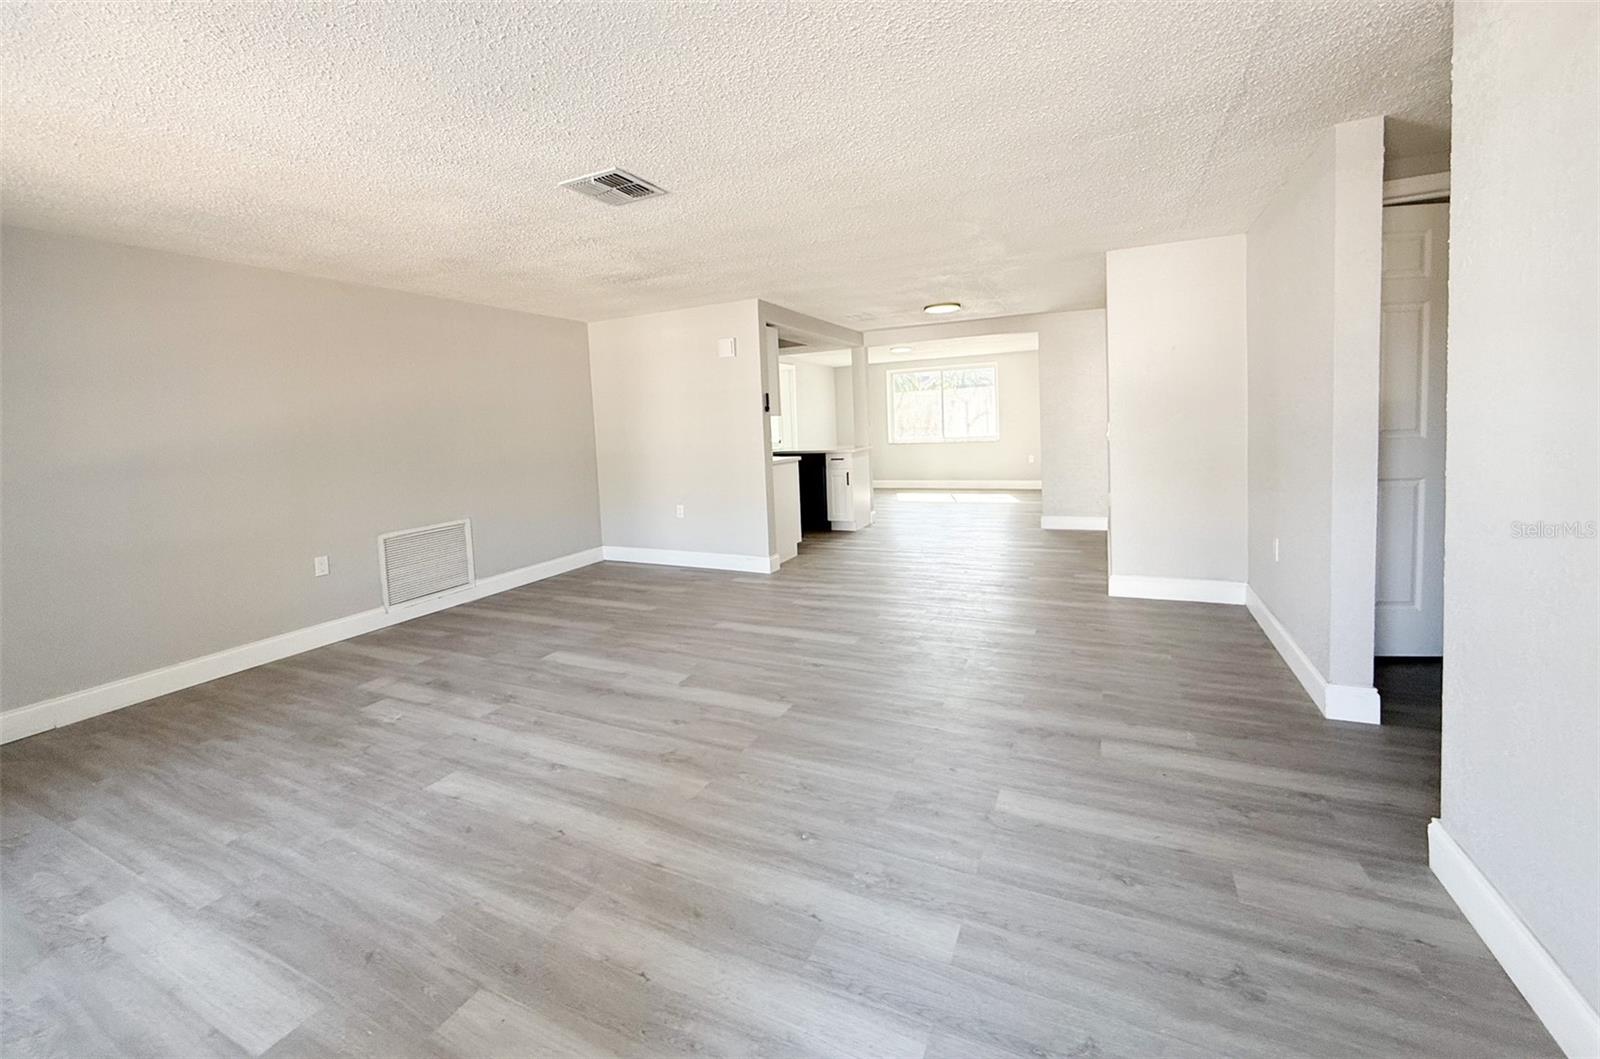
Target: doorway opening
820,473
957,417
1409,601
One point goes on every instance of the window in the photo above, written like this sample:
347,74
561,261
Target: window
944,404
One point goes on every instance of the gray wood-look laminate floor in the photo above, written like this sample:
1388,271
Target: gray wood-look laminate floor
925,792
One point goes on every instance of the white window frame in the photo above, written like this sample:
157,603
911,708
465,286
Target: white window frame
888,392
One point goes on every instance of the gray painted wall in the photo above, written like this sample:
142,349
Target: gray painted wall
1314,269
1006,459
181,438
1175,356
1521,768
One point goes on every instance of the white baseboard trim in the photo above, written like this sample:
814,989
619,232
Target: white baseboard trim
1177,589
950,483
1351,702
1573,1023
747,564
1338,702
104,698
524,575
1073,522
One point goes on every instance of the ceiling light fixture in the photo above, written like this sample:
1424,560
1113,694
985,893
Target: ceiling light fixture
899,349
940,308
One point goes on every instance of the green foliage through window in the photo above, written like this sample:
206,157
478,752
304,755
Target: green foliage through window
944,404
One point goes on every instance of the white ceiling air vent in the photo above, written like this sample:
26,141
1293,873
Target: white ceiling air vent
418,564
617,187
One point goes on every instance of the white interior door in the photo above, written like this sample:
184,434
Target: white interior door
1410,597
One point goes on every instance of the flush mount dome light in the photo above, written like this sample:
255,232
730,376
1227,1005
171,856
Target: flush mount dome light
940,308
899,349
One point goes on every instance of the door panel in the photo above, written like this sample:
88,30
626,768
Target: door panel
839,487
1410,588
1400,507
1403,390
839,495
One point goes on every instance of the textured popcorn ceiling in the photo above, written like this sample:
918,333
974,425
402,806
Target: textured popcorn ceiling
854,161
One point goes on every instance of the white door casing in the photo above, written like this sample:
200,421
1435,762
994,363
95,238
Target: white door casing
1411,431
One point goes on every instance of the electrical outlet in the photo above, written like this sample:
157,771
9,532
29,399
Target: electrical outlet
1030,457
1274,549
319,566
680,511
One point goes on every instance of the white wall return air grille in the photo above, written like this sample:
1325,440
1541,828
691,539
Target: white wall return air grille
418,564
615,187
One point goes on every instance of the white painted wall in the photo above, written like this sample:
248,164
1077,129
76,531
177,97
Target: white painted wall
676,424
1014,457
844,406
1072,413
1521,762
861,411
181,437
1175,354
815,420
1072,400
1313,276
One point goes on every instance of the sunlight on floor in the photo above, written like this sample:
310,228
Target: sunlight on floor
959,498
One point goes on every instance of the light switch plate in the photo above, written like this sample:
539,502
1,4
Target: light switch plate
727,347
319,566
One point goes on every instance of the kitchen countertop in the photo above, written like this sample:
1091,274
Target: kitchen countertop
836,448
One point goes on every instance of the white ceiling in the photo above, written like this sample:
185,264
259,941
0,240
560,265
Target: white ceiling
931,349
853,161
827,358
943,348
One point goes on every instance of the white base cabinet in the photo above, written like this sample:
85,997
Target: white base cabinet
849,489
786,506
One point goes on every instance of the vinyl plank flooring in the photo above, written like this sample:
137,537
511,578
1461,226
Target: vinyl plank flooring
960,805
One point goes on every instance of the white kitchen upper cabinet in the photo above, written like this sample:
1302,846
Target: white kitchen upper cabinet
771,377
